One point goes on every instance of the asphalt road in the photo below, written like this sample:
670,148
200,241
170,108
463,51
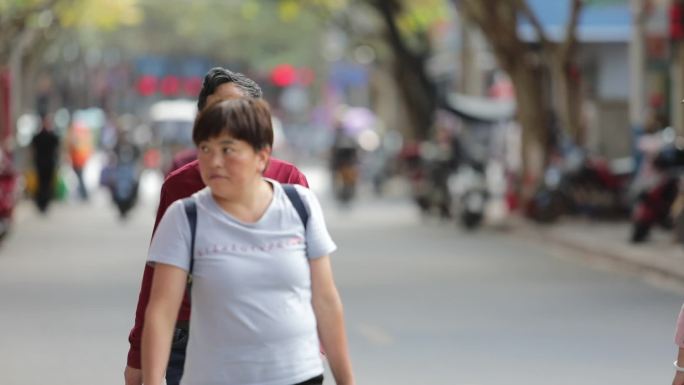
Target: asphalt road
425,302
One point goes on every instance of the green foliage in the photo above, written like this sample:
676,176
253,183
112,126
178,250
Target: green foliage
421,16
261,33
98,14
9,8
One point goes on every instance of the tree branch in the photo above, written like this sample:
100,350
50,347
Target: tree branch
23,14
571,30
534,21
13,25
506,43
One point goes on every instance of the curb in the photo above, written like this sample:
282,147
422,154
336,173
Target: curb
665,260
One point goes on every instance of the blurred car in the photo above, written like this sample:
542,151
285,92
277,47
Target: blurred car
170,123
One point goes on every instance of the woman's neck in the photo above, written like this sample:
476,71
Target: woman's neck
250,204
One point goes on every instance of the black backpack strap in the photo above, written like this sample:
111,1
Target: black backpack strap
296,201
191,213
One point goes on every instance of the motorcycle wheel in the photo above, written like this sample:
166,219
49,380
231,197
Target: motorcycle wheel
640,232
471,220
546,206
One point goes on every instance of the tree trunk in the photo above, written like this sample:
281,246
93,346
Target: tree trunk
420,102
418,91
566,97
565,77
16,72
533,115
574,104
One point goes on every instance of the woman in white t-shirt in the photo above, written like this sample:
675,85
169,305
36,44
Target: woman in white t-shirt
262,290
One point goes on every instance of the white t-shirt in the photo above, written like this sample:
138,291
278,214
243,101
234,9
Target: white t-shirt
252,321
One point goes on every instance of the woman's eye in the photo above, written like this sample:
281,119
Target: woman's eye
204,149
227,150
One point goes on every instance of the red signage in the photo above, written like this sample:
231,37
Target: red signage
147,85
677,21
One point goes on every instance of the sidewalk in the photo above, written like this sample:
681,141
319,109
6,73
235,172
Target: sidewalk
660,254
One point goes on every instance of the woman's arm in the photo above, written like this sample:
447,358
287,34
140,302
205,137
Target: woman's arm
679,376
168,287
329,315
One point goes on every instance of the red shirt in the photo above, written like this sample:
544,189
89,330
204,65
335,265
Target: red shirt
180,184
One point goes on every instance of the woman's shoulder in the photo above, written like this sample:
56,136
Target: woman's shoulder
307,196
200,198
176,207
304,193
278,185
303,190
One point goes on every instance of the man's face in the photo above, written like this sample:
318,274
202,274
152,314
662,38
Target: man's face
225,91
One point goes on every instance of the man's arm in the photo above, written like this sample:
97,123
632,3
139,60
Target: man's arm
135,336
179,184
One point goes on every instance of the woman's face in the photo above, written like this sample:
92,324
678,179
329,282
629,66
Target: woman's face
229,166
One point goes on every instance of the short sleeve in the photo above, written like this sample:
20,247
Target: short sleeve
318,240
171,241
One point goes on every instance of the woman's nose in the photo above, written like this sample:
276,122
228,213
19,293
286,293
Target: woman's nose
216,160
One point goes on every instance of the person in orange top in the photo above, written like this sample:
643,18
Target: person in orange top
80,148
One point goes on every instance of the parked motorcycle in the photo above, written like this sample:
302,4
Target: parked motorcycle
428,169
8,183
470,193
582,184
654,203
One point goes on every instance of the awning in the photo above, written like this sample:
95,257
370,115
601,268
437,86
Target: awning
479,109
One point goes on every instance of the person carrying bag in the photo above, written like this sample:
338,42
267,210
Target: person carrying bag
263,292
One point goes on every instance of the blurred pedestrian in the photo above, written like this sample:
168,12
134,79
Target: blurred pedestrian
219,83
262,283
125,171
45,151
80,142
344,164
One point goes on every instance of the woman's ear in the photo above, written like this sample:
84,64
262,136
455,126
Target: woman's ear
263,156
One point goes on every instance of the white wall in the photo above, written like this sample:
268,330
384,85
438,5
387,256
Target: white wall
613,67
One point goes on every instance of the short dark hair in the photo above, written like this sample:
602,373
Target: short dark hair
243,119
217,76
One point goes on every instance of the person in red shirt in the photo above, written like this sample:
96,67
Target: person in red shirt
219,84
